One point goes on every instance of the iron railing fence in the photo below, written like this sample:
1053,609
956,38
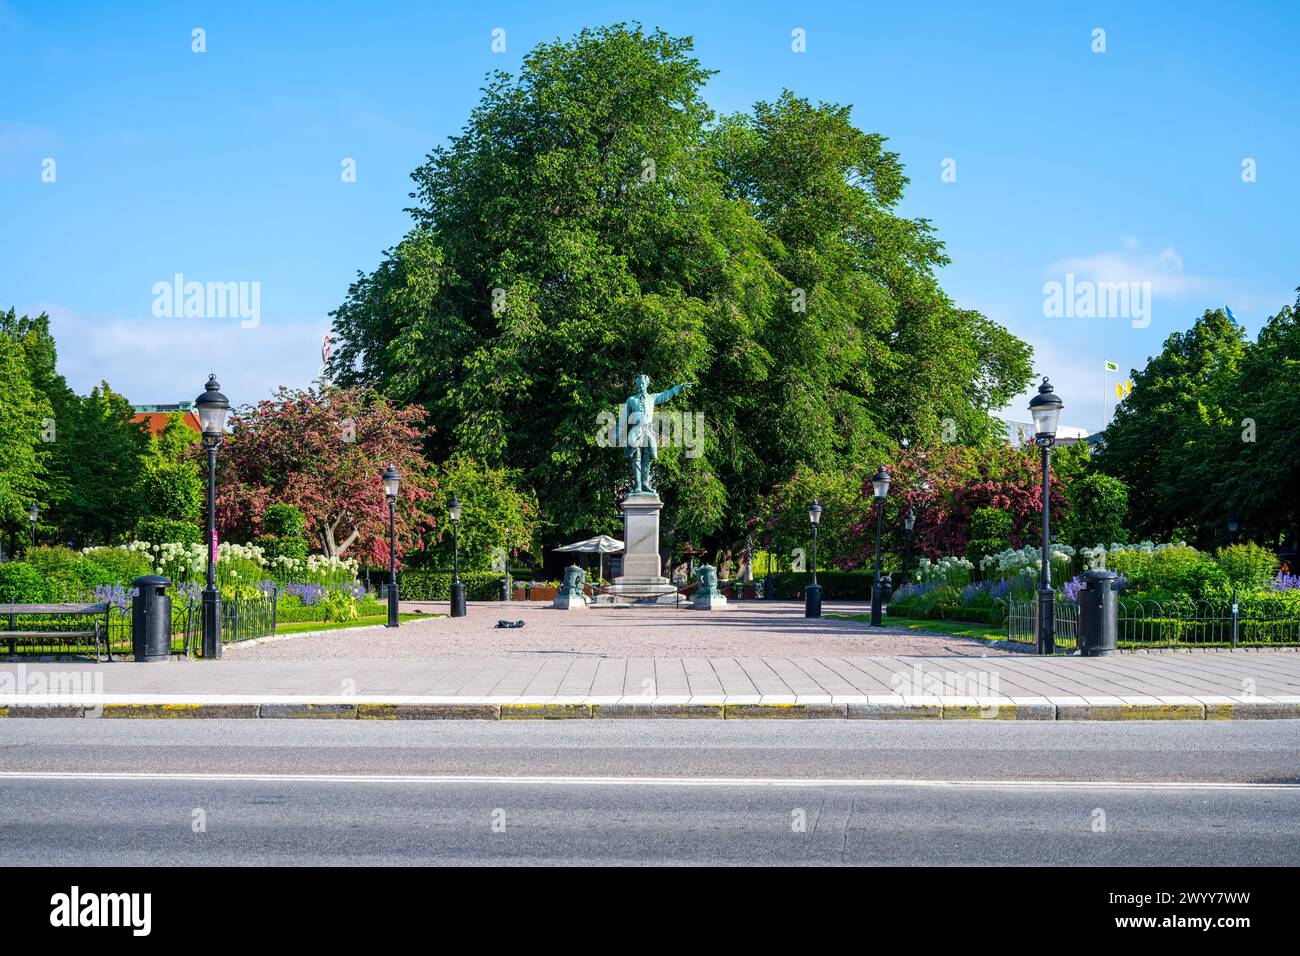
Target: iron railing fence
241,620
1022,624
244,619
1152,624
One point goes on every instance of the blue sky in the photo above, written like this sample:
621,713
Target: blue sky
225,165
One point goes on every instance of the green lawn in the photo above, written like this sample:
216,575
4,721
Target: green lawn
955,628
299,627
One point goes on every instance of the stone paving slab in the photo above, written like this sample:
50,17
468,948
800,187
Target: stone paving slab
1187,687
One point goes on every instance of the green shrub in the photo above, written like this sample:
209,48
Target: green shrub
1271,604
1098,510
1172,602
20,583
1134,564
339,606
71,577
421,585
285,533
290,547
836,585
1183,570
284,521
990,533
1248,566
121,565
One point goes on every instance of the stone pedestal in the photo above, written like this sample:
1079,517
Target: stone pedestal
642,578
569,602
703,601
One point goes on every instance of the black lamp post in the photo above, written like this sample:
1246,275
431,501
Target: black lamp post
457,589
392,484
909,524
33,514
1046,409
812,594
1233,525
212,408
880,487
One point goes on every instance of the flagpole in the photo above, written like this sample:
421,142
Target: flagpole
1105,396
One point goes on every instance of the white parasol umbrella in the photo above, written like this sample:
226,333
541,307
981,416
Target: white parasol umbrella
602,545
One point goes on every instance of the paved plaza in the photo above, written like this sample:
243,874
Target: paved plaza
748,628
754,661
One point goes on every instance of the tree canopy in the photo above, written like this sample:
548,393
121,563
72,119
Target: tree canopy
1209,430
323,451
594,219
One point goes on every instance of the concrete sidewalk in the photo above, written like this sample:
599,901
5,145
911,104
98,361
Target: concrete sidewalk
1206,685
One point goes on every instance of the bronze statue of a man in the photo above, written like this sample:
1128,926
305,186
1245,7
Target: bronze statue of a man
638,439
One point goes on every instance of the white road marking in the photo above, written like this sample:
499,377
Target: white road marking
585,781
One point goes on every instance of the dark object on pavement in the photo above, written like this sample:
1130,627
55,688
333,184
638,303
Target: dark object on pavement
510,623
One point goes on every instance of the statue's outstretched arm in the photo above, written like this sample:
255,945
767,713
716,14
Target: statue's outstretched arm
666,396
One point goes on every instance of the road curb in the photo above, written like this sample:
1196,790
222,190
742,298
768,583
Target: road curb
646,711
898,708
429,711
1128,711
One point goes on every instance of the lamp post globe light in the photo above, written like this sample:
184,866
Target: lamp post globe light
812,594
1046,409
1233,525
392,482
457,588
33,515
212,408
880,488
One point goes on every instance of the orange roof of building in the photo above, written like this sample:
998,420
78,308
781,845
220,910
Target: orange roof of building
157,421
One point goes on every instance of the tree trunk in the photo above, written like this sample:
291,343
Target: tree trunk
329,545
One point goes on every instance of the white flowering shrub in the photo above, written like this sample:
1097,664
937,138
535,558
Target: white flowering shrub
951,570
241,568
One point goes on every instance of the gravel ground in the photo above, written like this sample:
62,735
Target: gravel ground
752,629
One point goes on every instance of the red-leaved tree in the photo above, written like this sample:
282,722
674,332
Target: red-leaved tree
323,451
945,484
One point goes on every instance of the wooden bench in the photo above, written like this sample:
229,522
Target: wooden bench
98,634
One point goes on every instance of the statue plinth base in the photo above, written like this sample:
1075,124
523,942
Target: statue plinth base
566,602
642,579
708,602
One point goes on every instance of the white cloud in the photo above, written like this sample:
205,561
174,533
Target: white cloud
1077,376
155,361
1164,270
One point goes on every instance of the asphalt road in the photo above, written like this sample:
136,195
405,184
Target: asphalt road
644,792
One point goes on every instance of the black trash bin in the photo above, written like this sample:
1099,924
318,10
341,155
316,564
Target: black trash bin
1098,613
151,619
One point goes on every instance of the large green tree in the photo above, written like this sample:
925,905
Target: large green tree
172,486
22,452
595,219
104,454
1209,430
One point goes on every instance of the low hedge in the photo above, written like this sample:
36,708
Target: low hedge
293,611
939,602
421,585
836,585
